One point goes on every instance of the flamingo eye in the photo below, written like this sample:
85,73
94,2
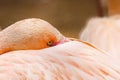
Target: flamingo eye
50,43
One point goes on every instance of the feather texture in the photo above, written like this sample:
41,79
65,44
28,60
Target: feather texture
104,33
69,61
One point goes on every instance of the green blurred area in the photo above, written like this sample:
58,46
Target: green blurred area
68,16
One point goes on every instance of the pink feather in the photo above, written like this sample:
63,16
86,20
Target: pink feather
69,61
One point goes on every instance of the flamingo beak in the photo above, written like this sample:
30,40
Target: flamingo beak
61,41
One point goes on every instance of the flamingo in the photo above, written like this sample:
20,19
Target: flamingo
104,33
29,58
73,60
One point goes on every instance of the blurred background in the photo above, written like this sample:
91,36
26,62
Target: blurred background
68,16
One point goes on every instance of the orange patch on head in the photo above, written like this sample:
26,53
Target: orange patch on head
49,38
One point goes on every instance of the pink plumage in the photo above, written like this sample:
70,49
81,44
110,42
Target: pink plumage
103,33
69,61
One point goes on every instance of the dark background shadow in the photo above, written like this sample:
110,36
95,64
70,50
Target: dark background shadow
69,16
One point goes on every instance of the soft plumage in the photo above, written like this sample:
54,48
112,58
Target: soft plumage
29,34
70,61
103,33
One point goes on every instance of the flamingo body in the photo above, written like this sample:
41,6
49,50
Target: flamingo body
69,61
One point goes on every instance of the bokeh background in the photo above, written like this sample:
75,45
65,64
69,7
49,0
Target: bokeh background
68,16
